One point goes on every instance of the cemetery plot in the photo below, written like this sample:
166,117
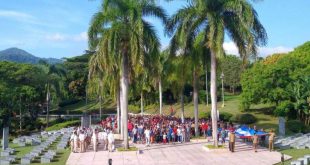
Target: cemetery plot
47,147
298,141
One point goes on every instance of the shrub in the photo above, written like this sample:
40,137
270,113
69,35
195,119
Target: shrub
68,102
134,109
225,116
63,125
245,118
283,108
204,115
296,126
202,96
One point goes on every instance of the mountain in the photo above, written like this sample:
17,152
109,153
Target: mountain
21,56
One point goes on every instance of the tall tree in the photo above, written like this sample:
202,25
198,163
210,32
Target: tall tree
186,42
119,31
213,17
54,85
231,67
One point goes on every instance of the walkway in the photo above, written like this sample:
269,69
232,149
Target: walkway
179,154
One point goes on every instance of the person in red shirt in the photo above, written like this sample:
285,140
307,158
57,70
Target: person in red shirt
204,127
130,127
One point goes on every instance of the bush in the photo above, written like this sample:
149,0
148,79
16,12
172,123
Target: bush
296,126
204,115
225,116
134,109
245,118
63,125
202,96
68,102
283,108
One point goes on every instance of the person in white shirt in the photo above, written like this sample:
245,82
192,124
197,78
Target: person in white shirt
147,134
82,141
94,140
74,142
179,134
111,141
104,137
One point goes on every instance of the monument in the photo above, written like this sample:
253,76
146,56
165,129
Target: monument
5,140
86,120
281,126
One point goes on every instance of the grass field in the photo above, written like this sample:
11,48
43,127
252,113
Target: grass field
295,153
60,158
261,112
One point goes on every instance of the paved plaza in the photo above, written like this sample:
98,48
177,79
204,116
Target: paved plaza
192,153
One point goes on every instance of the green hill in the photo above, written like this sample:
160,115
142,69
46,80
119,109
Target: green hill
21,56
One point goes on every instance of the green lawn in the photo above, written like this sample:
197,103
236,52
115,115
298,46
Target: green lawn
295,153
60,158
262,111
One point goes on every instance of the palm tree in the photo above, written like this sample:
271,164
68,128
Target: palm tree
119,31
96,72
109,81
187,43
213,18
158,70
54,84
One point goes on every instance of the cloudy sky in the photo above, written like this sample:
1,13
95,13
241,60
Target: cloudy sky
58,28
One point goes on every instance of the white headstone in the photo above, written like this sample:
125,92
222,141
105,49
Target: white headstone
281,126
5,140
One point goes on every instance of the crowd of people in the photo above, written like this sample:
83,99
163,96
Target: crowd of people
150,129
82,138
167,129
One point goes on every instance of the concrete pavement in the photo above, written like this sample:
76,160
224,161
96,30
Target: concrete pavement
192,153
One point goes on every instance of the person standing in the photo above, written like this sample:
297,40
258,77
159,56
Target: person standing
147,134
271,140
94,140
72,141
255,142
179,135
165,138
130,127
82,141
183,133
223,135
135,134
111,141
204,127
76,142
232,141
105,139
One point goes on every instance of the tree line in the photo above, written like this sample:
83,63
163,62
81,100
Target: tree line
282,80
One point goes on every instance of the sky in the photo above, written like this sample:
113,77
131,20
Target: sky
58,28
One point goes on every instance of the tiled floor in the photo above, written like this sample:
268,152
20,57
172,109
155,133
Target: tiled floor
192,153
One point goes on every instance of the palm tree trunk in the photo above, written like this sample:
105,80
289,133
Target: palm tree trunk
196,102
124,103
207,91
213,98
182,106
160,98
118,110
122,111
142,103
100,98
